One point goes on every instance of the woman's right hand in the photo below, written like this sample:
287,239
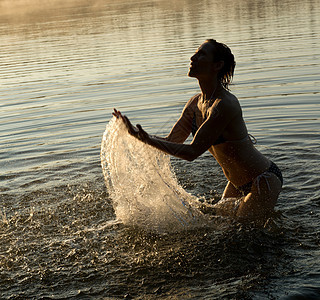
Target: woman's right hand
137,132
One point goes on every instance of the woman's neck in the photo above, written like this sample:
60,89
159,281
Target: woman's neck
208,89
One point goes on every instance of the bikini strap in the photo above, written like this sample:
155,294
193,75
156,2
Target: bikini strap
252,139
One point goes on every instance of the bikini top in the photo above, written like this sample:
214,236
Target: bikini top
194,129
220,139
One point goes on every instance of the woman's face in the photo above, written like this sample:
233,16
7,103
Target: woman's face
202,64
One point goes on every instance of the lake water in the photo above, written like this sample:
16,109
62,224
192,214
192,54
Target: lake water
64,66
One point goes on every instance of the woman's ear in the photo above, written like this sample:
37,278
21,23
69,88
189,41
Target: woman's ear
219,65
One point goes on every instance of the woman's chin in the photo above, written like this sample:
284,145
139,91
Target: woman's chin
192,73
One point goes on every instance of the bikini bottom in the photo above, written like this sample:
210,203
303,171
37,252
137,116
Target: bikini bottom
246,188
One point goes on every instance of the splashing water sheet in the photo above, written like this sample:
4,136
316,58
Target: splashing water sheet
142,185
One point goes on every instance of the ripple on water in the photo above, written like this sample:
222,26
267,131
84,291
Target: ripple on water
67,64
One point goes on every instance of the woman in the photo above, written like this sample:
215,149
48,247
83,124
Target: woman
214,117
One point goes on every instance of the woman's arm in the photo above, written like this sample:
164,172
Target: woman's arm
206,135
176,149
182,128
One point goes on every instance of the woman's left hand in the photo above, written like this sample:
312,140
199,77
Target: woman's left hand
137,132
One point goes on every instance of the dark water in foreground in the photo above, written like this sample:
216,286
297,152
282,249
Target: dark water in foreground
66,64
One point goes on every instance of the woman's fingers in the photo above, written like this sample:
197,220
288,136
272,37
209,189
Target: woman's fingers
128,124
141,131
116,113
137,132
142,135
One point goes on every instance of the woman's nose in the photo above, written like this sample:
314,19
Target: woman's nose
193,57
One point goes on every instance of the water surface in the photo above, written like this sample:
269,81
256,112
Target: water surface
66,64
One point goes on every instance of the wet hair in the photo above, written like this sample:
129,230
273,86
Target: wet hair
223,53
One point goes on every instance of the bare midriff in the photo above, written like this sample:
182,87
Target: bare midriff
240,161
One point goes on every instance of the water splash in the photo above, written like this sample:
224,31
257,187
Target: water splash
142,186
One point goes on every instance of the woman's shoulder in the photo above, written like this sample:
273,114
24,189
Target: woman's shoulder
228,105
193,101
230,101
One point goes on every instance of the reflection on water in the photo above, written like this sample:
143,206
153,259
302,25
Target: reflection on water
64,66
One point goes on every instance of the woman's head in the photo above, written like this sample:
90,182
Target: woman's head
213,57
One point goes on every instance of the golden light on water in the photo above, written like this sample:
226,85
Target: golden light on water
64,66
18,11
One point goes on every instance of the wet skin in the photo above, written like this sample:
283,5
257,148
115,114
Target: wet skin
218,113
